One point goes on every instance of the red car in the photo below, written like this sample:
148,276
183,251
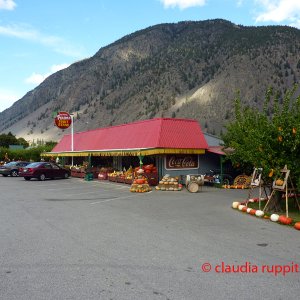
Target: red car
43,170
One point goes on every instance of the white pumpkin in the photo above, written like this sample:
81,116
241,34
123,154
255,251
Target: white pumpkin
274,217
235,204
240,207
248,210
259,213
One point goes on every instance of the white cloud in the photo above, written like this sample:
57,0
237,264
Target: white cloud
7,4
182,4
26,32
279,11
240,3
7,98
36,78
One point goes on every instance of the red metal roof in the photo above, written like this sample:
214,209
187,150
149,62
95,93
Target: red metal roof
154,133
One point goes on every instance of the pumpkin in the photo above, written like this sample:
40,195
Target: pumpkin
289,221
284,220
235,204
274,217
244,209
149,167
259,213
297,226
279,182
248,210
240,207
140,181
252,212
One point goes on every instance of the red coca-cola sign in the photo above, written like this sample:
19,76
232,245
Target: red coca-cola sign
182,162
63,120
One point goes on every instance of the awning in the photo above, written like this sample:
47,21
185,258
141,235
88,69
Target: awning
216,150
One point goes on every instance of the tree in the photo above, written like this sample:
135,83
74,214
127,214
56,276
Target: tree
270,142
23,142
8,139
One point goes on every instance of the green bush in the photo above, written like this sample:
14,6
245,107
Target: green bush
29,154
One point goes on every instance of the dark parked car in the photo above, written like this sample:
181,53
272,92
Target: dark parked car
43,170
12,168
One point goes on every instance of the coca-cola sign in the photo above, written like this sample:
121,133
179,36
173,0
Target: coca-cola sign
186,161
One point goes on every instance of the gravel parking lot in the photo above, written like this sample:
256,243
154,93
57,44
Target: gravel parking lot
73,239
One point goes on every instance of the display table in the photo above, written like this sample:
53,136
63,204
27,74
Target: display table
81,172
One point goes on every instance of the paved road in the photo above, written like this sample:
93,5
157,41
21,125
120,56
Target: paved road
71,239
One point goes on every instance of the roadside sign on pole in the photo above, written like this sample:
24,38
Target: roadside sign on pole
63,120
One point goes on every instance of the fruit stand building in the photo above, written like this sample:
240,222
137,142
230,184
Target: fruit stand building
174,146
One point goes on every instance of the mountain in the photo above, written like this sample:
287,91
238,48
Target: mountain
186,70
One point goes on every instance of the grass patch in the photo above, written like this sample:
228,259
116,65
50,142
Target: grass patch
293,209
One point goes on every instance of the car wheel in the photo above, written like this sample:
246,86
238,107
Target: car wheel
66,175
42,177
27,178
14,173
4,175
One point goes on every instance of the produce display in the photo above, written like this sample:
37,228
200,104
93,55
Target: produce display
149,173
116,176
129,175
169,183
140,183
81,170
103,173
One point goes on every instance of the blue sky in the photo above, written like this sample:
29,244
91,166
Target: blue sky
40,37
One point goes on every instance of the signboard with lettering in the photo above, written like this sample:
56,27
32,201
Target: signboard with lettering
179,162
63,120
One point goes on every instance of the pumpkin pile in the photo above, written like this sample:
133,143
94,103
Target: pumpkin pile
169,183
147,169
140,183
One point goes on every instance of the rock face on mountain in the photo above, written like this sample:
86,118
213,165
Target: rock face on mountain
185,70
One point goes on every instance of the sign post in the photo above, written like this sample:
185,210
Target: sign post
64,120
72,138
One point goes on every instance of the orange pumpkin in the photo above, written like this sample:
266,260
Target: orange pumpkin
140,181
252,212
279,182
288,221
284,220
281,218
244,209
297,226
